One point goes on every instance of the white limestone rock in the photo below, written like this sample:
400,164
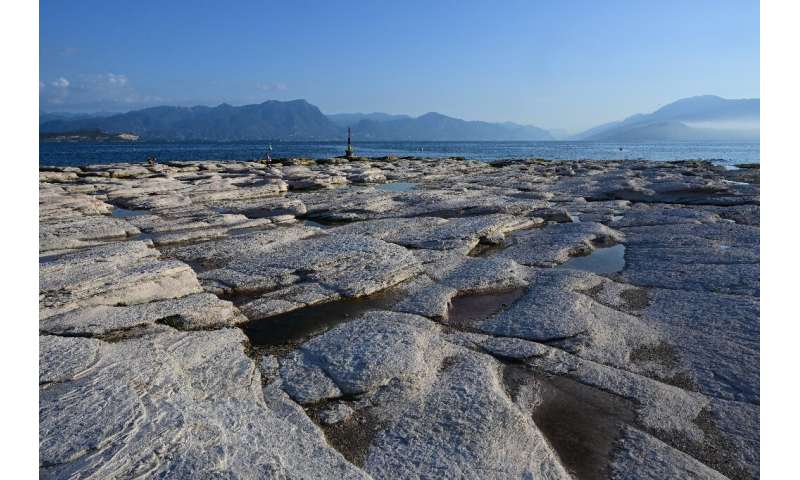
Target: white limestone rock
463,425
82,231
192,312
391,345
62,358
179,405
123,273
350,265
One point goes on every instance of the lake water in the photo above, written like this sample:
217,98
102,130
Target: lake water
76,154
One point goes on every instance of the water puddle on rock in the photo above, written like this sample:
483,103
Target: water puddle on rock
581,423
49,258
312,223
601,260
125,213
466,311
397,187
734,182
292,328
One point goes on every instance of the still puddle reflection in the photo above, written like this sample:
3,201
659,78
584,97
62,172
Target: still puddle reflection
397,187
581,422
294,327
125,213
601,260
467,311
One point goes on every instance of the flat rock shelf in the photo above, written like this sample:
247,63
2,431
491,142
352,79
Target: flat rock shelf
399,318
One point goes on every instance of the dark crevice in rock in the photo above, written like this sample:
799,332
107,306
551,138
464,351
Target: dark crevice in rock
487,249
110,336
175,321
505,359
123,334
323,221
181,323
559,342
240,296
352,435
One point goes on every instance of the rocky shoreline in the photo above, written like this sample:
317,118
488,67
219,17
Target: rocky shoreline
399,318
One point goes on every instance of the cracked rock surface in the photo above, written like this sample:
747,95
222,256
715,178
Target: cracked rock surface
521,319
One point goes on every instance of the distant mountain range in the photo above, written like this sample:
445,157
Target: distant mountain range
350,119
437,127
702,118
292,120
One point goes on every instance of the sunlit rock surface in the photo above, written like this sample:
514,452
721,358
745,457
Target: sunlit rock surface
399,318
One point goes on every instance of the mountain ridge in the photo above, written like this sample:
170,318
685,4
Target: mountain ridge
349,119
699,118
288,120
433,126
273,119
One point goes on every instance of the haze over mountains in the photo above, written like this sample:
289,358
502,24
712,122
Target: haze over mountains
703,118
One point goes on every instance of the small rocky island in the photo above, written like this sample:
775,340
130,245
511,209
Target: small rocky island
399,318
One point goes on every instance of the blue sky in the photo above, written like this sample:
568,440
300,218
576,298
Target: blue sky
555,64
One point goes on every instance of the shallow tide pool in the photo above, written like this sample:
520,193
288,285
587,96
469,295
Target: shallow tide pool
601,260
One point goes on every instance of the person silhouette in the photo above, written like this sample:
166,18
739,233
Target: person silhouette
268,155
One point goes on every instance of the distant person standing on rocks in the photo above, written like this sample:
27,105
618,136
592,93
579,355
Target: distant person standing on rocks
268,155
151,161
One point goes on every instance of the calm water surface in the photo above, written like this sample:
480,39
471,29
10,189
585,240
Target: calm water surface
76,154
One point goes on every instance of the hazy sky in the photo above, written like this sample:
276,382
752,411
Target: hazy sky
555,64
